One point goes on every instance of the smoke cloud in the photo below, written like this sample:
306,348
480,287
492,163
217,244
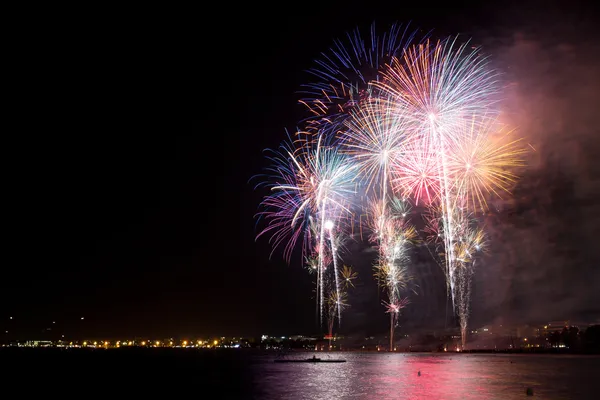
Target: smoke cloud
544,257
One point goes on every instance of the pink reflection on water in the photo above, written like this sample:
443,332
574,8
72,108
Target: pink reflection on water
443,376
443,379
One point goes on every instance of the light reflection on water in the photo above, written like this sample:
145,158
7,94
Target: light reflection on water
443,376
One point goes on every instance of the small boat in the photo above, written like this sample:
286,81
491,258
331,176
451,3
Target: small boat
314,359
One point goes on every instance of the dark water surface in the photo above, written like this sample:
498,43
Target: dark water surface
443,376
241,374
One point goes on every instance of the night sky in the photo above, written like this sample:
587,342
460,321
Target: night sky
128,196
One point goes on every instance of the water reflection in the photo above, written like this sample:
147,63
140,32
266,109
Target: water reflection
456,376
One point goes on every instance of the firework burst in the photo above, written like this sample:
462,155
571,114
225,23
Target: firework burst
374,137
442,80
335,302
415,173
348,275
482,162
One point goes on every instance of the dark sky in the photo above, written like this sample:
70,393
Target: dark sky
127,185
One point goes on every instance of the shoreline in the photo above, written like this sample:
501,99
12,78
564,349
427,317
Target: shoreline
288,351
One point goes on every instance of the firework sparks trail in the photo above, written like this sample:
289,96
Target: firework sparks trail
447,210
439,231
470,241
463,277
312,265
337,298
480,162
392,235
394,310
334,253
322,265
336,182
433,231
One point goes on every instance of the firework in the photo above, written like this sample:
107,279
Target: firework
343,75
336,301
320,181
435,86
375,136
399,121
348,275
312,264
330,181
478,163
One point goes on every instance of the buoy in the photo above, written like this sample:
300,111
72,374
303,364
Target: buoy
419,373
529,392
